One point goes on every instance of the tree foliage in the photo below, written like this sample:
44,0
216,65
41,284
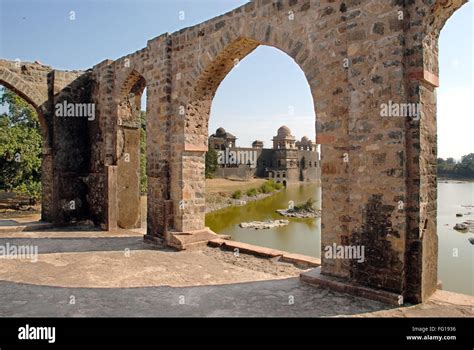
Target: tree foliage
20,147
211,162
463,169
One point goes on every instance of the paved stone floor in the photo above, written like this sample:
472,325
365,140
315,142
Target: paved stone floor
101,275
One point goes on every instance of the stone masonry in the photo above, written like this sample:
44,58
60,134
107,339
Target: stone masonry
378,173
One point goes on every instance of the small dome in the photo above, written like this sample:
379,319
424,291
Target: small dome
304,139
284,131
220,131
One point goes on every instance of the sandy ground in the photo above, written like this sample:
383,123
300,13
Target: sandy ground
224,185
132,265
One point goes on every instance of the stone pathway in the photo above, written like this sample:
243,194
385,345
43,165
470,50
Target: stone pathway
99,276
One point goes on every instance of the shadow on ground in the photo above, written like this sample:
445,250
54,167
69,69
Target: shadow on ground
278,298
82,244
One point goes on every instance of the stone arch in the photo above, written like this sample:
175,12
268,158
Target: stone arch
36,99
214,67
422,78
205,79
15,83
127,154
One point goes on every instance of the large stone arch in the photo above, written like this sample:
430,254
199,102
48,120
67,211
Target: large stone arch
206,80
214,56
356,57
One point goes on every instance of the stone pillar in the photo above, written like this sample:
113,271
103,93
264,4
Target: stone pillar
128,177
111,185
47,205
159,136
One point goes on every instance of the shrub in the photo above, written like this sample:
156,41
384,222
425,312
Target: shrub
308,205
279,186
237,194
32,189
252,192
266,188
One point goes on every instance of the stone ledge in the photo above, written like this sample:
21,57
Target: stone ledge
315,277
297,259
189,240
23,227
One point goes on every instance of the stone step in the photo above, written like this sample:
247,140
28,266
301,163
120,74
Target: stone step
190,240
341,285
296,259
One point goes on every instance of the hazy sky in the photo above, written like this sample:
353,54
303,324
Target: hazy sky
265,91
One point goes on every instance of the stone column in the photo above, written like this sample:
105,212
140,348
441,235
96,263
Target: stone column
159,137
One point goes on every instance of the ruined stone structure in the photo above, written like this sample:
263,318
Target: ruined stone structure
289,161
378,173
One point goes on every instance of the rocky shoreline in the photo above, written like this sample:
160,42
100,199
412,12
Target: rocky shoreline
301,214
263,225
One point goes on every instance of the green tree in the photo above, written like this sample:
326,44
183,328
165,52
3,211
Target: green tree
211,162
20,112
20,147
464,169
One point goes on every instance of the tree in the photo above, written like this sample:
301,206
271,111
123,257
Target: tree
20,112
20,147
211,162
464,169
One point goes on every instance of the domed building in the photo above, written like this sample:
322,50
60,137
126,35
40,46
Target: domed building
283,139
305,144
222,139
289,161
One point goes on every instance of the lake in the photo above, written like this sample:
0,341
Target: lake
303,236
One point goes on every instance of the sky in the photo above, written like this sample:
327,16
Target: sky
265,91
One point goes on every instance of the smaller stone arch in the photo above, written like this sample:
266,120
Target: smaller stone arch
13,81
127,140
11,78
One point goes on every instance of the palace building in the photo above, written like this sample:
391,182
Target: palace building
288,161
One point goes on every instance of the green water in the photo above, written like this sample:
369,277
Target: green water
300,236
456,254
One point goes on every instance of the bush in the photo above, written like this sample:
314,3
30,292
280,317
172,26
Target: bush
32,189
279,186
308,205
237,194
252,192
267,187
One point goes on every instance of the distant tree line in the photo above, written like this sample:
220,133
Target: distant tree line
464,169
